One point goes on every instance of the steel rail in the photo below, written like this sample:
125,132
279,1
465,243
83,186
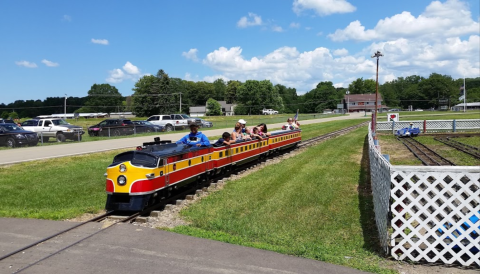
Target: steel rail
422,153
55,235
471,150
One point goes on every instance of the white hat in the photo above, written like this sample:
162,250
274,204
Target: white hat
241,121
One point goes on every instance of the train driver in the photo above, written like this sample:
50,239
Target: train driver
194,138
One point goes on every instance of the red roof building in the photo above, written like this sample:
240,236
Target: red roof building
363,102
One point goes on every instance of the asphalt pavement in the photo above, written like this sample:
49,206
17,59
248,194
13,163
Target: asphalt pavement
127,248
39,152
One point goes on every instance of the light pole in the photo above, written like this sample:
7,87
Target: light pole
65,108
377,55
348,100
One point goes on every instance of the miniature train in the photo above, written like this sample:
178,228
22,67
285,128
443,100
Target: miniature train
139,178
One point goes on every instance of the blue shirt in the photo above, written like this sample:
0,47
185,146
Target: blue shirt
194,139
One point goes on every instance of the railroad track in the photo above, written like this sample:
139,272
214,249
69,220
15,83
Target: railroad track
471,150
424,154
330,135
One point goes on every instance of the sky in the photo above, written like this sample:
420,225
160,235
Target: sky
54,48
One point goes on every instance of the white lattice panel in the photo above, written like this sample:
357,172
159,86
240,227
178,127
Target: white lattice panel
380,179
467,124
436,213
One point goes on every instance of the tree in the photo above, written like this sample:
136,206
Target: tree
324,96
361,86
104,98
213,107
253,96
231,91
13,115
220,89
5,114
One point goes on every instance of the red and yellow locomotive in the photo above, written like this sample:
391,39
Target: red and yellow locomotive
140,177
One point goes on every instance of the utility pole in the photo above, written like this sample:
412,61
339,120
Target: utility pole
65,108
377,55
180,103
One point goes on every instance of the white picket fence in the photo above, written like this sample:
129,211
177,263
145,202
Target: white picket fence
426,213
433,125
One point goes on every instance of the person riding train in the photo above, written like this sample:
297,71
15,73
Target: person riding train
194,138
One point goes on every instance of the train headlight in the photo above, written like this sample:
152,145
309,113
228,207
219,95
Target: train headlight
121,180
122,168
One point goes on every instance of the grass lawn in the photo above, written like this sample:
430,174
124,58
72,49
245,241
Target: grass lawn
400,155
316,205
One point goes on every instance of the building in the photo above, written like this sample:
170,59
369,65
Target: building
362,103
200,111
461,106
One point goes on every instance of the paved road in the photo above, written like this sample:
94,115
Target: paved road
14,156
131,249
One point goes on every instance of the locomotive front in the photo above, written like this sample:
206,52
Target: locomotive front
133,179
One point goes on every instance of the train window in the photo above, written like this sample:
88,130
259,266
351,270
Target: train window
236,150
250,147
202,159
210,157
226,152
241,149
189,162
160,162
221,154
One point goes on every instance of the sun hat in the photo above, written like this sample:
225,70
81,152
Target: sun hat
241,121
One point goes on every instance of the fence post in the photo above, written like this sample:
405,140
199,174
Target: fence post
109,132
424,126
134,129
454,125
393,127
41,136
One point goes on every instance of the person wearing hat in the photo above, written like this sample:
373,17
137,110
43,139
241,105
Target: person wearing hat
244,124
194,138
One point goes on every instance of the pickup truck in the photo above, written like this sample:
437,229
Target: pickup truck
173,121
54,128
269,111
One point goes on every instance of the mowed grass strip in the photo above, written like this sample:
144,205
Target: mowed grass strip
54,189
315,205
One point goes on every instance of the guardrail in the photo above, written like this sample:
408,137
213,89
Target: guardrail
426,213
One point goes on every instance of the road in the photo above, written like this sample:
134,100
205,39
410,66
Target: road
15,156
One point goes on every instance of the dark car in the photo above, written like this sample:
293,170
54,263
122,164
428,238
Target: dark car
11,135
112,127
6,121
146,126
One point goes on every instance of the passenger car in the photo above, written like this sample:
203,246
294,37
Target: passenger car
206,123
113,127
11,135
5,121
149,127
269,111
54,128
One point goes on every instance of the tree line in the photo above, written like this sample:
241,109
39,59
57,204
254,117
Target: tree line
161,94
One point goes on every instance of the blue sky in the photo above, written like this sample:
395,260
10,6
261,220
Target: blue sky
52,48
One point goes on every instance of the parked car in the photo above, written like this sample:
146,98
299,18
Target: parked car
112,127
269,112
5,121
418,109
54,128
11,135
149,127
206,123
173,121
393,109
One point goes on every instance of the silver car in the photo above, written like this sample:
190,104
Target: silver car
206,123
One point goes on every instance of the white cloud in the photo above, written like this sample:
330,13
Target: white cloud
213,78
50,63
128,72
340,52
67,18
252,20
100,41
319,33
323,7
130,68
26,64
191,55
277,28
438,21
294,25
